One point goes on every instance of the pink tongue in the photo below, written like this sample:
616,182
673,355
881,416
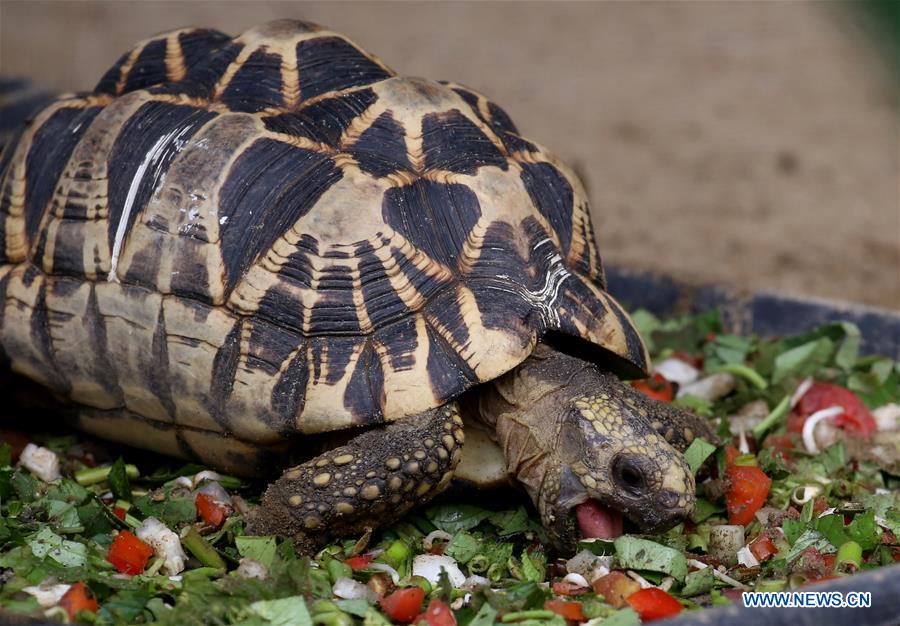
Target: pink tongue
596,520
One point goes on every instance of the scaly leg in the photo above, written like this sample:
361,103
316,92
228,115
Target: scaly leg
372,480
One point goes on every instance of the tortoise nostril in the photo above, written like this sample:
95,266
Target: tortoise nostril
628,473
669,499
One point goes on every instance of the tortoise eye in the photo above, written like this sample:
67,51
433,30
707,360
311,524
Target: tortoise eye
629,475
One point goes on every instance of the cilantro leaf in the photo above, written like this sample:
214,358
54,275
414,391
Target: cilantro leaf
118,480
697,453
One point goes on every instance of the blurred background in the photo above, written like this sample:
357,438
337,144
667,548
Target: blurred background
744,142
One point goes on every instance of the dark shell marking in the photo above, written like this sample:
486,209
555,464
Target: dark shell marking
275,234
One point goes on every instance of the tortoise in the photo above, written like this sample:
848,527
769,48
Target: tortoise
271,252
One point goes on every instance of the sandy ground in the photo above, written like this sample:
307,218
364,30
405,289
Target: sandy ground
753,143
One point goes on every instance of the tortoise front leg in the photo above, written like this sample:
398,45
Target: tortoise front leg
372,480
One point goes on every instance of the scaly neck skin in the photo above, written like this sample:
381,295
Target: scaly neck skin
571,433
522,409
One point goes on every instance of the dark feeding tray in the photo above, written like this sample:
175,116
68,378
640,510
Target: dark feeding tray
763,313
770,314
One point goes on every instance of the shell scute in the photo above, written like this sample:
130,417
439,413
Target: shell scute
277,234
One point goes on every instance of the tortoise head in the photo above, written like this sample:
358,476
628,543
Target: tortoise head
586,448
609,462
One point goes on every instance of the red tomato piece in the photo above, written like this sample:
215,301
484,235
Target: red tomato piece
656,387
856,418
565,588
210,510
568,609
763,548
653,603
731,453
78,598
439,614
747,494
360,561
404,604
119,512
129,554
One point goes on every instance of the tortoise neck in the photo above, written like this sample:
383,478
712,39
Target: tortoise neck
523,408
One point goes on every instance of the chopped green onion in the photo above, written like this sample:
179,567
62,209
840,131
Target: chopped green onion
772,419
201,549
747,373
849,557
518,616
94,475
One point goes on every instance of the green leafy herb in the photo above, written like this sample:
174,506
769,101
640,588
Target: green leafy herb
697,453
290,611
260,549
118,480
634,553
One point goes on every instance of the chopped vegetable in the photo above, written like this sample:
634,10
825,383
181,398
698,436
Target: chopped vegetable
439,614
47,595
725,541
128,554
567,609
165,544
211,511
855,417
652,604
41,462
78,598
404,604
747,494
634,553
359,562
615,587
763,548
430,566
656,387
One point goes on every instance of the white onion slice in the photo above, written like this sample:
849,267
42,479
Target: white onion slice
199,477
725,578
474,581
743,444
804,493
428,541
165,544
677,371
643,582
809,426
47,595
745,557
801,390
576,579
350,589
429,566
215,491
384,567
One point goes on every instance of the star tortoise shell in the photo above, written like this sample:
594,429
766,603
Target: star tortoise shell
275,234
